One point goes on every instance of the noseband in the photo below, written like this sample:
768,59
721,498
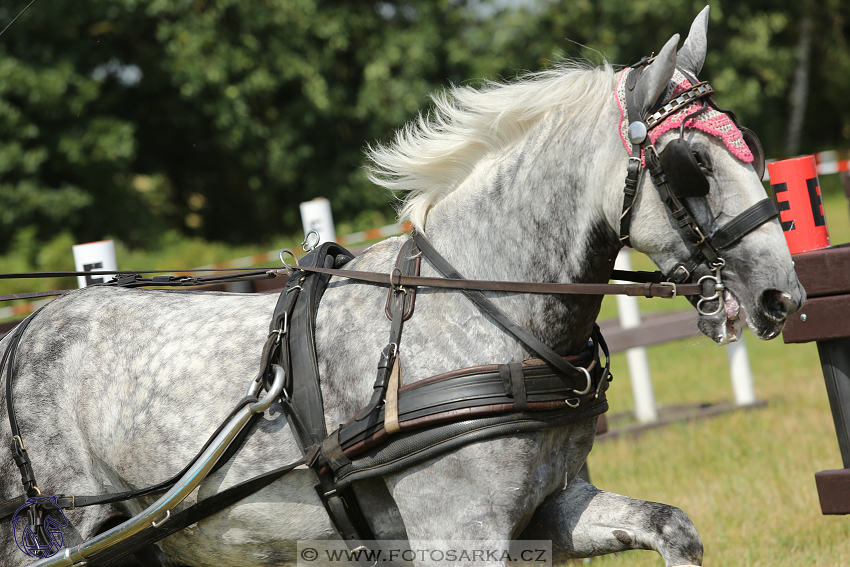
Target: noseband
677,176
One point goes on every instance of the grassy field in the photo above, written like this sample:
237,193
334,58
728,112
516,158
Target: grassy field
745,478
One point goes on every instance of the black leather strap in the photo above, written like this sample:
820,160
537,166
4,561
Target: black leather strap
304,406
633,176
518,386
480,390
189,516
634,172
744,223
407,264
531,342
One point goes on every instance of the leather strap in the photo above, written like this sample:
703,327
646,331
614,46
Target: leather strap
408,257
633,175
297,354
187,517
518,386
576,377
477,391
406,264
654,290
391,404
744,223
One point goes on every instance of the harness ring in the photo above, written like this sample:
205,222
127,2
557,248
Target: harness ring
286,266
589,381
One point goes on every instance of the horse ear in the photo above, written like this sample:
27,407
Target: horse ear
692,55
656,76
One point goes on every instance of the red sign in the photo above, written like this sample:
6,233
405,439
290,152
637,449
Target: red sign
797,190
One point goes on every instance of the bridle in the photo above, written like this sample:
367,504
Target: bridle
677,176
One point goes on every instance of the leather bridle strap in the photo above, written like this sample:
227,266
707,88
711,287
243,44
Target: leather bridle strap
744,223
531,342
727,236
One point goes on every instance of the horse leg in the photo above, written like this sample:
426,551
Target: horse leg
480,493
583,521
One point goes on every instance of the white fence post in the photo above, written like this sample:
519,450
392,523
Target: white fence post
741,373
638,362
94,257
316,215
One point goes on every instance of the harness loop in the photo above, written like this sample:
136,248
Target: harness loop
307,245
286,266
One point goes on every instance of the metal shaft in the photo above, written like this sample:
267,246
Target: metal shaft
160,511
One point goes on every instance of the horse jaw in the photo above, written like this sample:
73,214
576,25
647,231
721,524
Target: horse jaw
726,325
765,321
761,289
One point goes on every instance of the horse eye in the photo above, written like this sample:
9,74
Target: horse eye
703,162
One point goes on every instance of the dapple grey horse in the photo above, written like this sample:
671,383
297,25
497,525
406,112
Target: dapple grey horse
117,389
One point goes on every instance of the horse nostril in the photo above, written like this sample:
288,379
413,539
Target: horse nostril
777,304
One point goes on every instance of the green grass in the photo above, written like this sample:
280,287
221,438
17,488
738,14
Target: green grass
745,478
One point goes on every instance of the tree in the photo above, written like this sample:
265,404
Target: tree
127,118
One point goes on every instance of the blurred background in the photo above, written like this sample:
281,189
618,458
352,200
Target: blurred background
162,122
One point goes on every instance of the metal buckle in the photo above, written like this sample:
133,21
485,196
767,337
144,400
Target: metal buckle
393,351
702,236
684,269
671,285
283,330
20,442
397,287
587,376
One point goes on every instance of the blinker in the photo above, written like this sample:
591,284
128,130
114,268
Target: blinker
682,170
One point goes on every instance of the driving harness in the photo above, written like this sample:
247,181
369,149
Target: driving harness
403,425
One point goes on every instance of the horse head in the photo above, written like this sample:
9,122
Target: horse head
702,215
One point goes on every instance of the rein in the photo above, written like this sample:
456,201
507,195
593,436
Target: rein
653,282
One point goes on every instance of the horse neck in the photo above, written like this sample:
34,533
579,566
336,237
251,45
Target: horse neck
536,213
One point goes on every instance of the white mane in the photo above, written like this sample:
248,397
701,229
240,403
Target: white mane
432,155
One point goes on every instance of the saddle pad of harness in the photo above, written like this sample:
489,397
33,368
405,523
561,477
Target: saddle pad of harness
474,392
408,449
